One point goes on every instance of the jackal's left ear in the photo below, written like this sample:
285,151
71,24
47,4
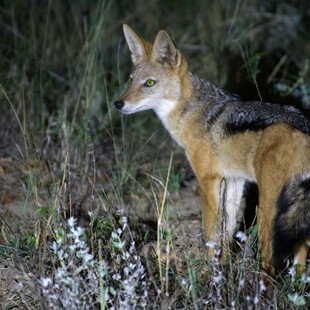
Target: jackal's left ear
164,51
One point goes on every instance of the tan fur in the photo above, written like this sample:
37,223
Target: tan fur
270,157
301,253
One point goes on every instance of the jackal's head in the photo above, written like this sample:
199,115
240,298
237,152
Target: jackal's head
155,82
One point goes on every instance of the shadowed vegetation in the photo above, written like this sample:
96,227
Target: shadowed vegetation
66,153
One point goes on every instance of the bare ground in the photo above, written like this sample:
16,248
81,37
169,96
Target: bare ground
23,189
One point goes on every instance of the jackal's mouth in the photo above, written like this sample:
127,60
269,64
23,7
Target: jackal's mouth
134,109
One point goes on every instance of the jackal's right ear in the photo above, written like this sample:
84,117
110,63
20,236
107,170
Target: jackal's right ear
139,47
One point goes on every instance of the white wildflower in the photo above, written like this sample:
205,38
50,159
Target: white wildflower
241,284
125,222
256,300
262,286
116,276
46,282
78,232
132,247
71,221
132,266
217,252
292,272
297,300
305,278
218,278
241,236
67,288
211,244
87,258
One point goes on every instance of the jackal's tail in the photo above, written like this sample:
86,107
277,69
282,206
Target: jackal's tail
292,221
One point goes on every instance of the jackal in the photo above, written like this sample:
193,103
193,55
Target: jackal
232,141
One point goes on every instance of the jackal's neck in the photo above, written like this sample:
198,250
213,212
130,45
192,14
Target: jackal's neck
200,104
207,93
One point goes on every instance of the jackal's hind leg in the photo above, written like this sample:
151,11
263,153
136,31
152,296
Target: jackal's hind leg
300,255
265,219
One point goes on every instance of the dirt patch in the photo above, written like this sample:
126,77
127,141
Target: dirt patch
24,188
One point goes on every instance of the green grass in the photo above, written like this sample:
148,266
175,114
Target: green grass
66,152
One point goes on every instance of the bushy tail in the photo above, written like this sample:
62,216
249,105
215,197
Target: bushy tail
292,221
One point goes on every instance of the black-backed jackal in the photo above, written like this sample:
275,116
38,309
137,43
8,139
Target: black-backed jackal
229,141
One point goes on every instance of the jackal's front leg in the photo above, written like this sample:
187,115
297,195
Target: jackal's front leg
210,196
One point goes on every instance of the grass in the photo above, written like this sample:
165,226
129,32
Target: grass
91,215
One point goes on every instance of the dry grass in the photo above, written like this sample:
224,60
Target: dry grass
69,160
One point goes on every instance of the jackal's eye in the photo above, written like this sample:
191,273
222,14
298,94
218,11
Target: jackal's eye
149,83
130,80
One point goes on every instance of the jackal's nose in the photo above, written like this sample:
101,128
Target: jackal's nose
119,104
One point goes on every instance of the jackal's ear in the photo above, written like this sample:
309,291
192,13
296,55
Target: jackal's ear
139,47
164,51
